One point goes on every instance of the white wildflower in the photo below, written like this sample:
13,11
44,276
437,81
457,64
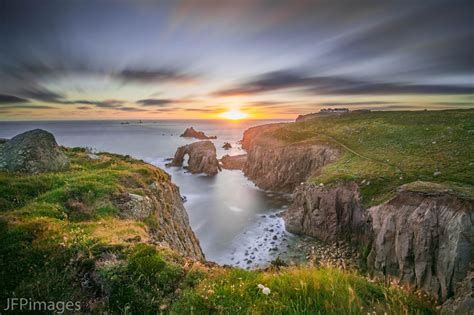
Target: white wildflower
266,291
260,286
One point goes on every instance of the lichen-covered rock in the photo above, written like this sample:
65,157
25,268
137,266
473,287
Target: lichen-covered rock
161,203
463,300
328,213
426,239
34,151
135,206
202,158
193,133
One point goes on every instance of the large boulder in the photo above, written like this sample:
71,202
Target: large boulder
34,151
202,158
192,133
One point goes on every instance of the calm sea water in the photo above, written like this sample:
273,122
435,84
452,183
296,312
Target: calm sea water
236,223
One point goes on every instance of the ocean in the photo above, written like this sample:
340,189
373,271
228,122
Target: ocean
236,223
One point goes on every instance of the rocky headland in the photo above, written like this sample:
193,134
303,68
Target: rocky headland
202,158
420,234
154,199
271,164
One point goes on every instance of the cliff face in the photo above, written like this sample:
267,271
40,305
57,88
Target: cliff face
425,239
328,213
274,165
418,238
163,204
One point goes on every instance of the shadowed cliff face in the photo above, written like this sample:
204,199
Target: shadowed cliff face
329,214
425,239
274,165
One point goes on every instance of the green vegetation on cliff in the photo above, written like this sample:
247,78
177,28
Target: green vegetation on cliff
62,239
383,150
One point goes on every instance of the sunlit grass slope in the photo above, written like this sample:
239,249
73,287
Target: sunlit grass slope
383,150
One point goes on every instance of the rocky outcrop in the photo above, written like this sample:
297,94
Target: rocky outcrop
256,135
307,117
192,133
421,238
227,146
328,213
233,162
284,167
202,158
426,239
275,165
34,151
161,203
463,300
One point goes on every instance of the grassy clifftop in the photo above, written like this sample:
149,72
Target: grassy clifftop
62,239
383,150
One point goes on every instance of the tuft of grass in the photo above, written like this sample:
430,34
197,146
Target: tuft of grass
143,282
296,290
383,150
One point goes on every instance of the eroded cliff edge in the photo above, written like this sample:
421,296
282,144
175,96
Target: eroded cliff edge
421,237
418,238
272,164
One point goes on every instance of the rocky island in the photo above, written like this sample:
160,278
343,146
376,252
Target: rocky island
202,158
192,133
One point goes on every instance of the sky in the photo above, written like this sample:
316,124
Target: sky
198,59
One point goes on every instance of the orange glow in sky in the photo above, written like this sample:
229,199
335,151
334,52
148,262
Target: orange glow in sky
233,114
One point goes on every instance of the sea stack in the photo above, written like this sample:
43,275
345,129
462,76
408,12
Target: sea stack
202,158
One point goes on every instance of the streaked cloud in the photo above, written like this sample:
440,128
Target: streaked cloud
155,102
281,80
271,58
11,99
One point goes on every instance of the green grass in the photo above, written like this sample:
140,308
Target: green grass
387,149
296,291
62,240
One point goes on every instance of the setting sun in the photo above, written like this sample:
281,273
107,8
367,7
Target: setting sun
234,114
